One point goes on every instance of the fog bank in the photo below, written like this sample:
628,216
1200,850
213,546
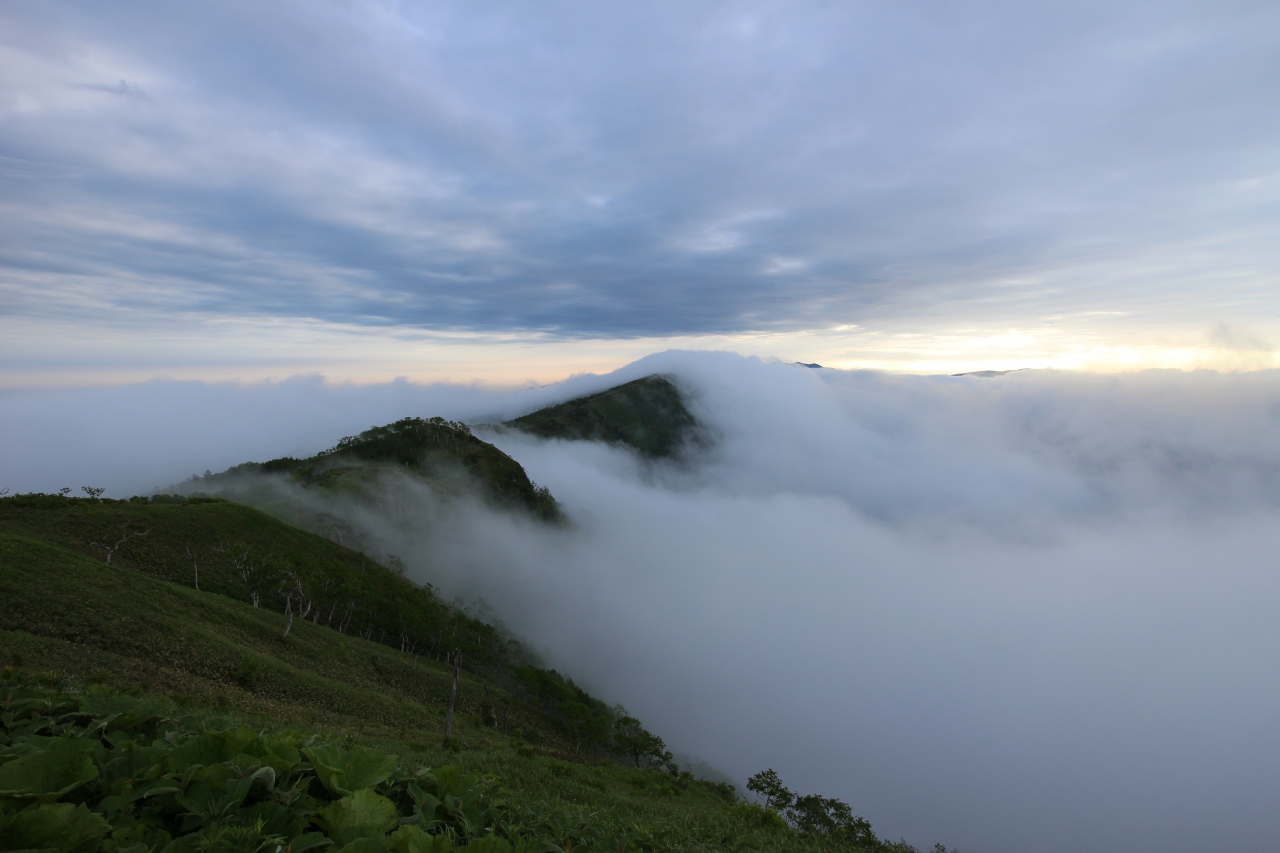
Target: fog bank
1029,612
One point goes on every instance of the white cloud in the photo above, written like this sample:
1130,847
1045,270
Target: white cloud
1027,612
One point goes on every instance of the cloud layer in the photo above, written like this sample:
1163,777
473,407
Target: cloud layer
1027,612
659,170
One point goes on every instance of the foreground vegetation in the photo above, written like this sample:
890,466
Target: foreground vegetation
305,689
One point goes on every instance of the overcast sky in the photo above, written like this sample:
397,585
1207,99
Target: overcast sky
304,182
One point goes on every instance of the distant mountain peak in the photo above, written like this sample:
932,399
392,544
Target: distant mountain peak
987,374
647,414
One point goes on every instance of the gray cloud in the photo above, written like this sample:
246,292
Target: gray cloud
663,169
1031,612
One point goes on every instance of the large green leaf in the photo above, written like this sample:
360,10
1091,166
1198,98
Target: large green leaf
281,753
133,764
59,768
61,826
367,845
488,844
364,814
212,748
310,841
411,839
343,771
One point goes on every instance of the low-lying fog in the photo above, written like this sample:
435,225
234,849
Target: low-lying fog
1028,612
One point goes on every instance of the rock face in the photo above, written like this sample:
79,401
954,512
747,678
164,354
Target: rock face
646,414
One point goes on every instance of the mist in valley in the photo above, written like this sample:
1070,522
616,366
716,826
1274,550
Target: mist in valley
1024,612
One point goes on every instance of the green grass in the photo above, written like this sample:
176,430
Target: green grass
66,613
236,550
139,626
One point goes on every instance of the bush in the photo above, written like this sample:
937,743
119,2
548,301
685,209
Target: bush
95,770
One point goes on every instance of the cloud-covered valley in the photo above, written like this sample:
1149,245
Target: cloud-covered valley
1025,612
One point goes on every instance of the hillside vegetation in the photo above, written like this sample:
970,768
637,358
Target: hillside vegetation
334,664
441,454
646,414
266,575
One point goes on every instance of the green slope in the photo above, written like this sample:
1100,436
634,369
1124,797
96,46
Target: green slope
646,414
138,625
443,454
244,556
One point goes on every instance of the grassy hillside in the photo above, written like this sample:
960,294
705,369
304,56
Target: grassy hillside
647,414
137,625
265,571
85,769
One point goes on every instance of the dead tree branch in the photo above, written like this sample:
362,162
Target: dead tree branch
125,536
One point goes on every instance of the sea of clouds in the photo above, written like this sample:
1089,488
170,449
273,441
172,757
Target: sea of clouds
1034,611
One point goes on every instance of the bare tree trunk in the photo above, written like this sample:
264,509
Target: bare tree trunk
111,549
288,609
493,710
195,566
453,694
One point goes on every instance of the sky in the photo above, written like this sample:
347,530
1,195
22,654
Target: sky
512,193
1026,612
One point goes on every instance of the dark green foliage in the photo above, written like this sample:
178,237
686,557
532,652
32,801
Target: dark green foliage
434,446
643,747
812,813
99,770
84,771
767,784
817,817
248,671
442,453
647,414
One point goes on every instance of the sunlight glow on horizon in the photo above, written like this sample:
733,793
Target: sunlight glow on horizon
42,355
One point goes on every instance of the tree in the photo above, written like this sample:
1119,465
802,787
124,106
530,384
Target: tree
456,658
767,784
195,565
631,739
125,536
577,717
93,492
818,815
